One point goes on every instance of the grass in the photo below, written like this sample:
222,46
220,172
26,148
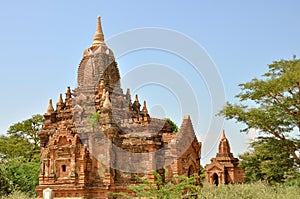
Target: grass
257,190
17,195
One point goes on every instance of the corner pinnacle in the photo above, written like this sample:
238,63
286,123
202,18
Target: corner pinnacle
50,108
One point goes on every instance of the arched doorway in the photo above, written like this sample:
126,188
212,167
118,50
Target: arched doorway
226,176
215,178
190,171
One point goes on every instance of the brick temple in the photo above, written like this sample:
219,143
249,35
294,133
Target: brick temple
97,138
224,168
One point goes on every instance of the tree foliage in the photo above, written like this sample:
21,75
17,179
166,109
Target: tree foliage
276,109
269,160
22,176
94,118
20,156
174,127
5,183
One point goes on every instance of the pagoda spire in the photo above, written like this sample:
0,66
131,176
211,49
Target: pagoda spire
223,135
98,36
224,146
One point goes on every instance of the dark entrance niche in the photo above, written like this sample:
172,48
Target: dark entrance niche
226,176
190,171
216,179
63,168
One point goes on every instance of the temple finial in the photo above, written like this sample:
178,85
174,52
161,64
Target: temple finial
223,135
60,104
136,105
50,108
128,96
60,101
99,36
68,93
145,110
224,146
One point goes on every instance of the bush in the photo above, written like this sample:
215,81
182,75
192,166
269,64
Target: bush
22,176
177,187
18,195
174,127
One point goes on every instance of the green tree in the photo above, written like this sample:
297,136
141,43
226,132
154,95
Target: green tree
22,176
20,156
5,183
275,105
269,160
27,131
12,148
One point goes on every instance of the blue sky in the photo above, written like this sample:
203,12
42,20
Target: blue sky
41,45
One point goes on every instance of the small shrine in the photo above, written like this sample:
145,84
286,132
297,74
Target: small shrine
224,168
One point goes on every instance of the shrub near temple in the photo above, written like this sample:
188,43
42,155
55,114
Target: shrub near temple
177,187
